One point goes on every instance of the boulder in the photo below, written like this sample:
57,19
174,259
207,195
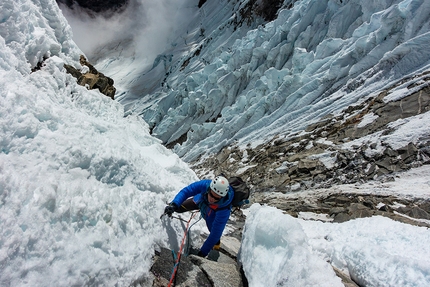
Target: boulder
220,274
341,217
219,269
346,280
414,212
188,274
359,210
230,246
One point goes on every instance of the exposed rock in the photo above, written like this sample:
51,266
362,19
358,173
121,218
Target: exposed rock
219,269
201,2
220,274
92,79
231,246
343,207
359,210
341,217
268,9
96,5
188,274
414,212
347,282
335,211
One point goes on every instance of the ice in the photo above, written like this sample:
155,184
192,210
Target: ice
275,252
297,254
81,187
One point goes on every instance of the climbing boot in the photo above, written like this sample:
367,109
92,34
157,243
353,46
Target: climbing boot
217,246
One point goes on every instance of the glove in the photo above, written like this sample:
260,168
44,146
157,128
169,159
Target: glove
172,207
200,254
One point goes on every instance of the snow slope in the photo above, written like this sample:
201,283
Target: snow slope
81,187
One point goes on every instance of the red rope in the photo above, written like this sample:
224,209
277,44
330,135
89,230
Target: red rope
180,251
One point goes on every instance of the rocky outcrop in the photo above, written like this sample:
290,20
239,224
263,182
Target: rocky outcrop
91,78
201,2
219,269
346,280
96,5
342,207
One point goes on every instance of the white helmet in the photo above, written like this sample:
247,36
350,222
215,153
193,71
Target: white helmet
220,186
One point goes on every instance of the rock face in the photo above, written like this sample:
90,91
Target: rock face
219,269
92,79
96,5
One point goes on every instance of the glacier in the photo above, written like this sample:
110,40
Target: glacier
223,82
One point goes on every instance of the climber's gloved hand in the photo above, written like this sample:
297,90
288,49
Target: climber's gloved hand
172,207
200,254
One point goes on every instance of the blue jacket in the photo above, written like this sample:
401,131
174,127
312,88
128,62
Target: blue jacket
216,215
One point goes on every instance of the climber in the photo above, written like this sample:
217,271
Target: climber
213,198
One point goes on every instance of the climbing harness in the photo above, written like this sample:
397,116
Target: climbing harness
177,257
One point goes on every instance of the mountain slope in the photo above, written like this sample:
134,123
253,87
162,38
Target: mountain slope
234,82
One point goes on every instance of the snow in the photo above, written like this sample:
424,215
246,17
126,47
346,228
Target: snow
275,252
82,187
405,131
279,250
367,119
